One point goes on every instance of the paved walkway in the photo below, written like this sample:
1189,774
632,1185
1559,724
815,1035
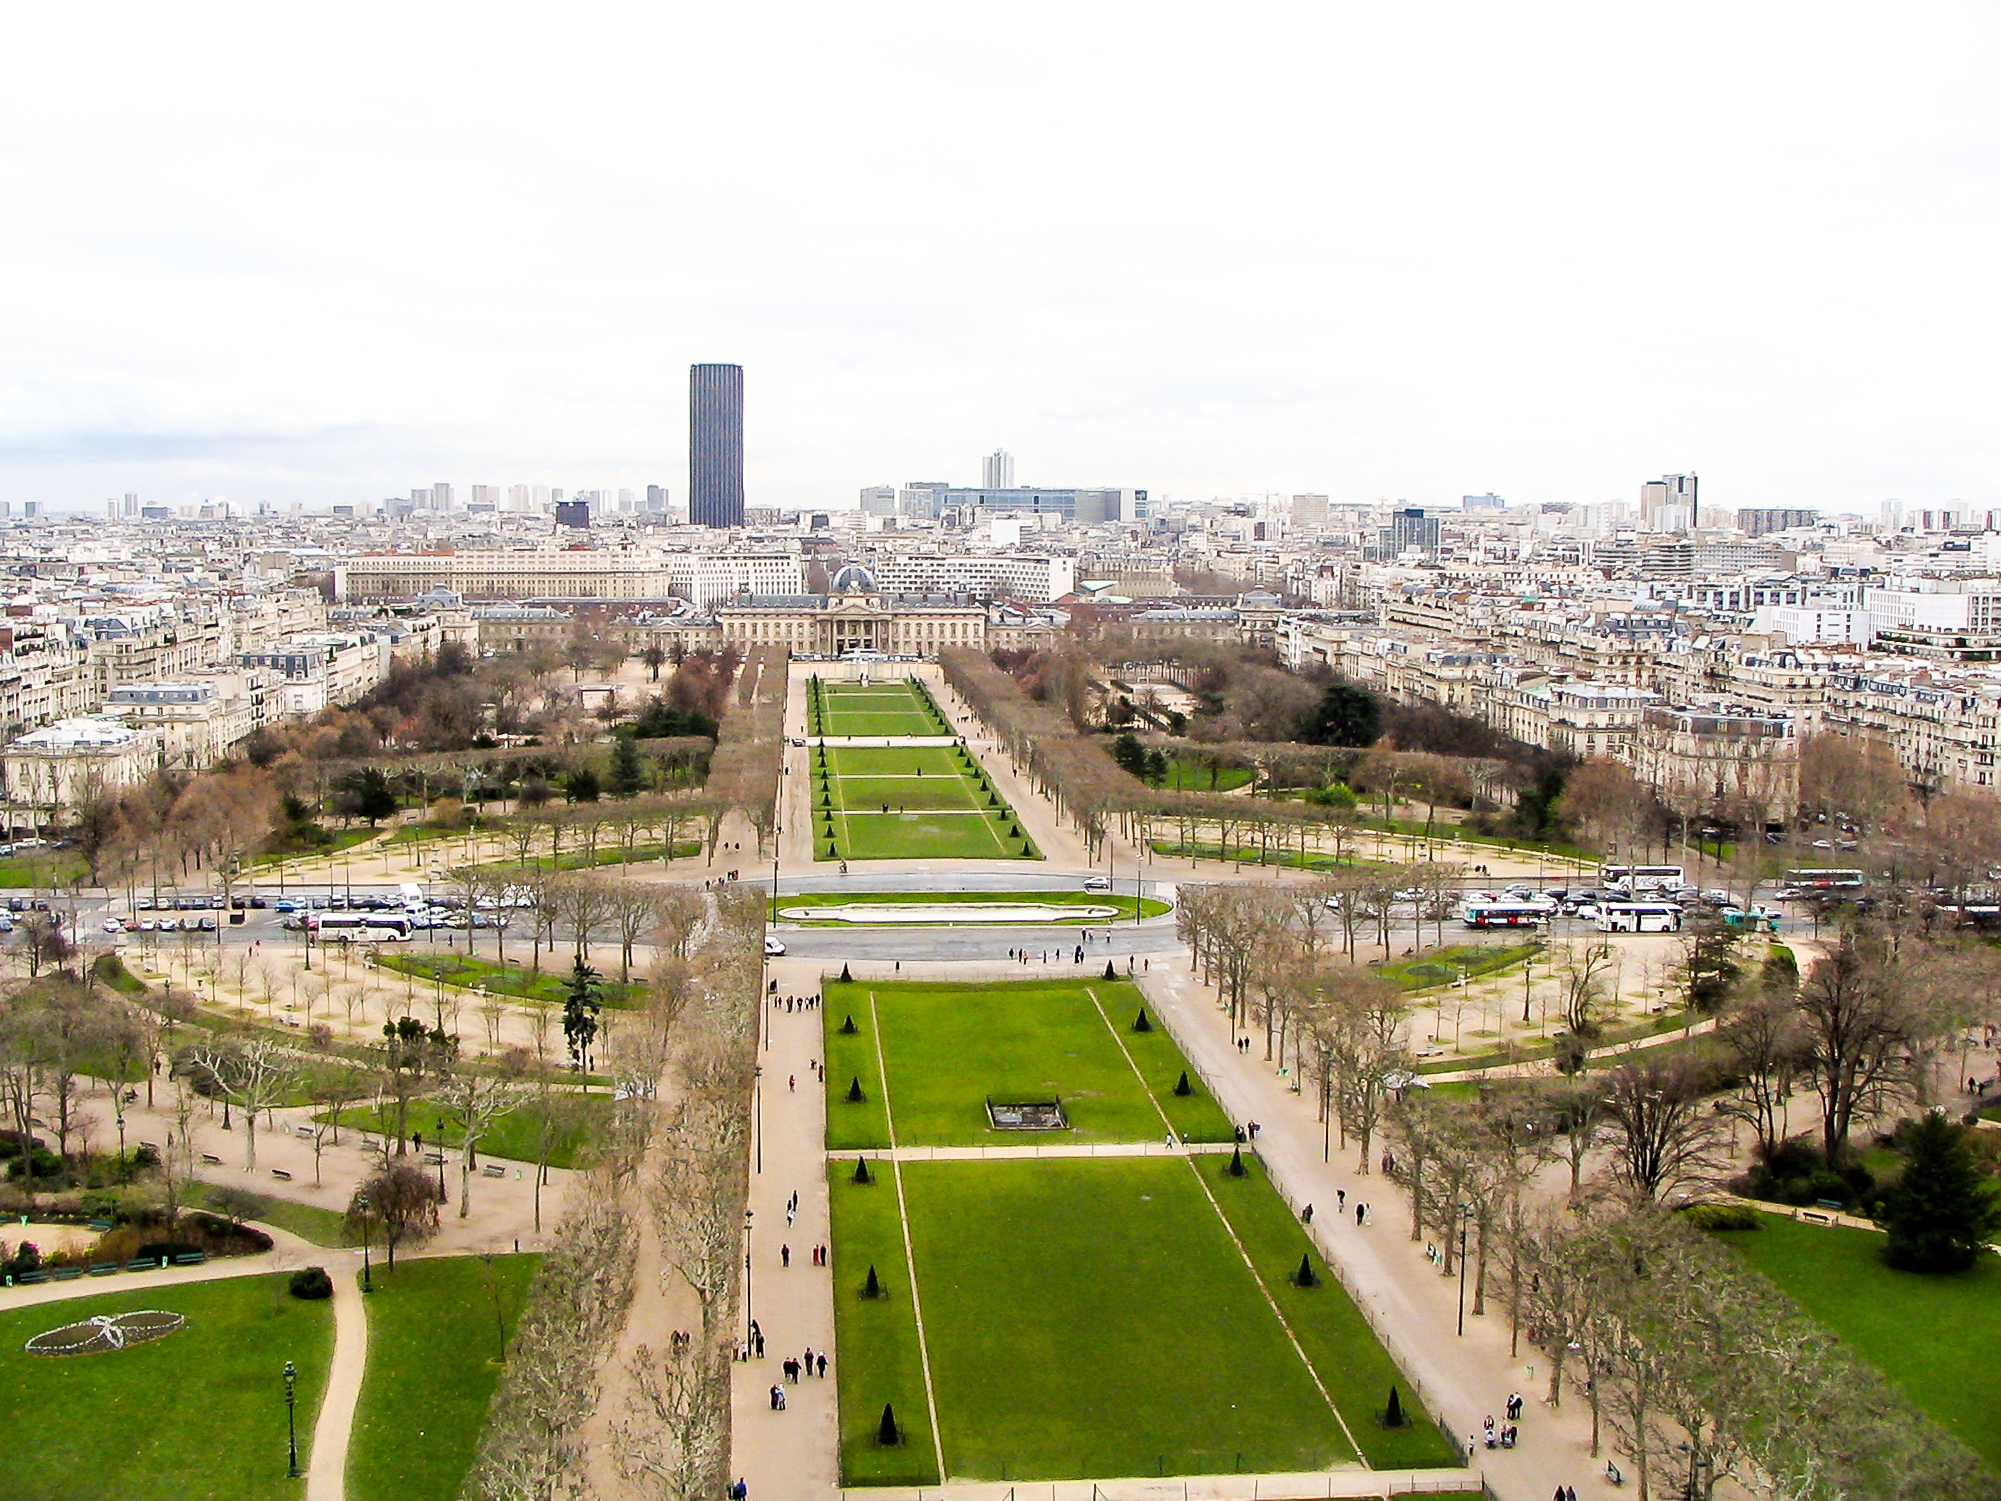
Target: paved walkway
1035,1149
1305,1486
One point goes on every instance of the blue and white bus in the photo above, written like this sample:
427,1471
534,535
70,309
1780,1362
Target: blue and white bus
359,927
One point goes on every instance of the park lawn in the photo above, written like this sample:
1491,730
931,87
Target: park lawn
1352,1363
1931,1335
437,1327
43,871
502,979
947,1048
343,840
198,1412
851,1060
850,761
608,854
875,1339
1148,906
512,1136
1192,776
924,836
1089,1318
323,1227
863,793
1196,1115
1440,966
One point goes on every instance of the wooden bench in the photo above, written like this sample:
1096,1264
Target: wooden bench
211,1159
494,1170
29,1279
100,1226
65,1273
191,1258
434,1159
281,1175
105,1268
141,1264
1815,1219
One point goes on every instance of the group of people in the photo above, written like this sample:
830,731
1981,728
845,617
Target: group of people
796,1002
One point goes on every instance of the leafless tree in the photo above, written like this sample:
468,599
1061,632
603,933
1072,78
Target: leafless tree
254,1075
1661,1129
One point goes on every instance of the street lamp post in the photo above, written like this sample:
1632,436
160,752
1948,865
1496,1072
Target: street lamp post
1326,1114
757,1092
367,1273
291,1417
747,1319
1465,1220
443,1195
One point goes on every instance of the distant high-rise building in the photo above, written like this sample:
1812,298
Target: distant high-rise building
1410,530
518,497
441,497
576,513
1762,521
656,497
1309,510
879,500
420,500
1668,503
131,503
485,498
715,445
997,470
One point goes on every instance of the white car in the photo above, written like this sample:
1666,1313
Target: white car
113,925
1097,883
773,948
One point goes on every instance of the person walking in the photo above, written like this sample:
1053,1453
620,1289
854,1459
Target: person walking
822,1358
785,1255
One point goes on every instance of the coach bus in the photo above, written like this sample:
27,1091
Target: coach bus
1824,880
1505,914
1643,880
1639,917
359,927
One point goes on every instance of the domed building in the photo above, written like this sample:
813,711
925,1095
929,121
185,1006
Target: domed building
854,615
853,579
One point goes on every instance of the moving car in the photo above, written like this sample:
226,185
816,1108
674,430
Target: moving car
1097,883
773,948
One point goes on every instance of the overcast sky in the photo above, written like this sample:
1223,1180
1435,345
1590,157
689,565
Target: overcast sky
1413,251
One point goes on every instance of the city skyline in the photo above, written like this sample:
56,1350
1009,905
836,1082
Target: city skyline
1355,267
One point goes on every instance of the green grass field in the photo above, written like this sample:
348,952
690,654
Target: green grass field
1184,775
877,1359
437,1330
514,1136
323,1227
198,1413
891,707
910,802
1931,1335
517,980
948,1048
1148,906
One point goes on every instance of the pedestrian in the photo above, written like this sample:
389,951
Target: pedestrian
822,1358
809,1360
785,1255
1361,1210
789,1212
781,1399
760,1344
1306,1215
1341,1200
792,1084
777,1397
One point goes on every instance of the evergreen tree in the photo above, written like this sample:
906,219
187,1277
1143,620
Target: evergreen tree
1130,754
368,795
1347,716
628,776
583,785
1943,1210
583,999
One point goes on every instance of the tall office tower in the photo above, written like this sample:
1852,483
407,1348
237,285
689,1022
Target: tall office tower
486,497
715,445
879,500
656,497
131,503
420,500
997,470
517,497
441,497
1668,503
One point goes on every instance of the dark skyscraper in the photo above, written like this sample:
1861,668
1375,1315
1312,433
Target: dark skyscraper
715,445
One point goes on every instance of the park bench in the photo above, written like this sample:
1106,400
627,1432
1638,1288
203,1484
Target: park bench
281,1175
1833,1204
105,1268
28,1279
434,1159
211,1159
141,1264
494,1170
191,1258
1815,1219
65,1273
100,1226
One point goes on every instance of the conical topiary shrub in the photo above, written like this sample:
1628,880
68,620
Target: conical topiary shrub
1394,1416
1236,1168
873,1287
886,1431
1140,1023
855,1095
1110,973
848,1027
1182,1087
863,1175
1305,1276
847,979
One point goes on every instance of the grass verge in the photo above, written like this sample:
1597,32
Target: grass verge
1148,907
502,979
323,1227
876,1338
437,1332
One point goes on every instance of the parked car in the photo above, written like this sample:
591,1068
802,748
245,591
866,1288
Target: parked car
207,924
170,925
283,905
142,904
113,925
773,948
147,925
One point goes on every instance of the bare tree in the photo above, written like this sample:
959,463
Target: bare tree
1859,1024
1661,1129
254,1076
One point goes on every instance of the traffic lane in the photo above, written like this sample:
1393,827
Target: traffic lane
944,943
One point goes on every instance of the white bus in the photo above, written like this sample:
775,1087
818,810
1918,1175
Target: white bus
359,927
1824,880
1639,917
1505,914
1643,880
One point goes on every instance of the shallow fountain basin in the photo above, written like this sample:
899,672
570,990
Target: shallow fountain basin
898,914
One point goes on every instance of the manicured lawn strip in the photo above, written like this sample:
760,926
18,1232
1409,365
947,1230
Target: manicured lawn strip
200,1412
323,1227
846,762
611,854
1192,776
927,781
848,1059
1931,1335
1353,1366
877,1358
1441,966
919,836
1148,906
502,979
343,840
434,1357
1197,1116
948,1047
1090,1318
899,793
512,1136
